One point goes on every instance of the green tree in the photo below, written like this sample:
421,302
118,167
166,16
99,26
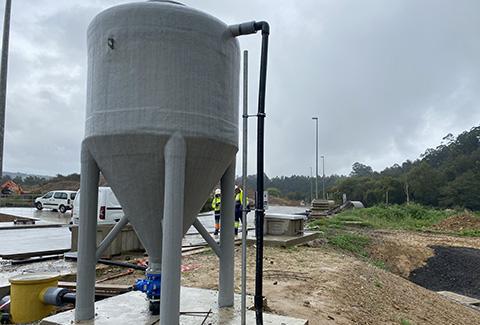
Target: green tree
5,178
356,189
18,180
463,192
33,180
425,183
361,170
274,192
392,189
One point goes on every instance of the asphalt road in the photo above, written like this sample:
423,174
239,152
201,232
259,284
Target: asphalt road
45,216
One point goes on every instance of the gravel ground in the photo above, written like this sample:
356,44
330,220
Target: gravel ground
455,269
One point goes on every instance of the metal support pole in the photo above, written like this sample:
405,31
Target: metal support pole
175,160
110,237
227,243
210,241
316,156
323,176
3,77
87,235
244,182
311,185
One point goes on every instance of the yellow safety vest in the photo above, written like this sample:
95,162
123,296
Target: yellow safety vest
239,198
216,203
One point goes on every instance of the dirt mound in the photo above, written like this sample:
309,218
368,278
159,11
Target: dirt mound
327,286
457,223
273,200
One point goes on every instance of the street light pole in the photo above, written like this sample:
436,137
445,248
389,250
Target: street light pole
323,175
316,157
311,185
3,77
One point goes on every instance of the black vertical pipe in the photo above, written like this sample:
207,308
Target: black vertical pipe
245,29
259,210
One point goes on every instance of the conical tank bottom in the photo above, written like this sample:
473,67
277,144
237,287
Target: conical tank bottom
134,168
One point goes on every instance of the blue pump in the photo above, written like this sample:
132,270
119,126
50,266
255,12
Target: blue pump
151,286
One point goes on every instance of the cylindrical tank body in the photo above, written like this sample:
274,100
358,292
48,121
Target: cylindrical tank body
156,69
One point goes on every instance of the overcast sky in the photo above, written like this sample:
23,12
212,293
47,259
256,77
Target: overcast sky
387,80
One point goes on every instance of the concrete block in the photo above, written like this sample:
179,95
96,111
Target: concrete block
127,240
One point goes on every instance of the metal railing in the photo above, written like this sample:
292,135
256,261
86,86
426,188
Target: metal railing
18,200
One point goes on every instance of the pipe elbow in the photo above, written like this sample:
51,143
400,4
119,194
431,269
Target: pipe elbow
263,26
250,27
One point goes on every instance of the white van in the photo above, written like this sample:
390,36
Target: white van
56,200
109,210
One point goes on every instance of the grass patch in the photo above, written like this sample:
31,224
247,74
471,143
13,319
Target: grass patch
408,217
470,233
338,222
207,251
379,264
350,242
403,321
292,249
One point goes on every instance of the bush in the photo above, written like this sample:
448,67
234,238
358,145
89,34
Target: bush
274,192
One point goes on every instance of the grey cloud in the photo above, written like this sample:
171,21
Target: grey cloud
386,78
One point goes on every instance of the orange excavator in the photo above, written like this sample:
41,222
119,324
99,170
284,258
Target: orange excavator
11,188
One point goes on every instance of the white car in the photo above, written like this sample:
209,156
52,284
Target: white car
56,200
109,210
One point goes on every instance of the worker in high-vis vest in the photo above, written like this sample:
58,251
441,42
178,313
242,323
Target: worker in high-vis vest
238,209
216,207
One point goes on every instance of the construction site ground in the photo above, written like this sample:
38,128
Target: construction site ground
327,285
331,286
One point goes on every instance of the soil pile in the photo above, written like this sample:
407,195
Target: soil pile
457,223
328,286
455,269
273,200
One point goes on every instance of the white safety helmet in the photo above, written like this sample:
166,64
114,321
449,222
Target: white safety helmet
217,191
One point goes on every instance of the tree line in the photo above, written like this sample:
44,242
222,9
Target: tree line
447,176
32,180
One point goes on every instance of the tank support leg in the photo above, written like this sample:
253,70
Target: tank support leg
227,242
175,157
87,235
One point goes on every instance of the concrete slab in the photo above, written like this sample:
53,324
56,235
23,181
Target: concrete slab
34,240
196,306
460,298
45,216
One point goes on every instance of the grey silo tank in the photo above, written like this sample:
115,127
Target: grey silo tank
156,69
